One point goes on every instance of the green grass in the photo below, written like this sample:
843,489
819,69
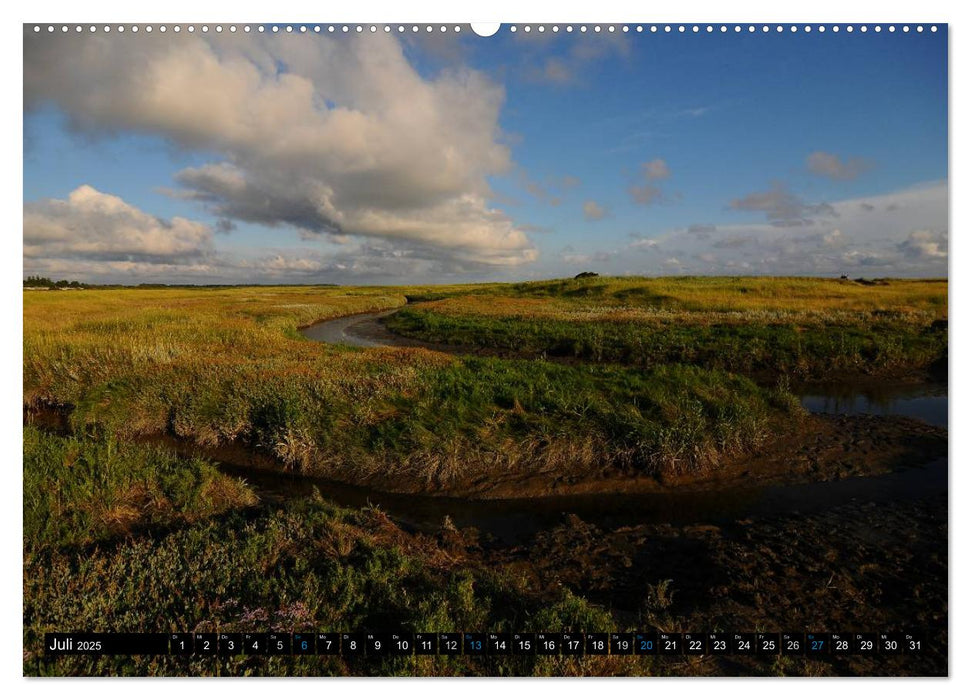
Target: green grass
82,491
213,367
123,536
469,418
712,294
765,326
309,567
863,345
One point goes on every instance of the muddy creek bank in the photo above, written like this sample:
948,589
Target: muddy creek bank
843,460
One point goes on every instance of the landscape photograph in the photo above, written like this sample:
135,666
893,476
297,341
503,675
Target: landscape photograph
591,349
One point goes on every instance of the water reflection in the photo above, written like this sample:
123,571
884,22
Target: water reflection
926,402
518,520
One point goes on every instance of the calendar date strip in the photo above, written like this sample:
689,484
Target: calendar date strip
377,644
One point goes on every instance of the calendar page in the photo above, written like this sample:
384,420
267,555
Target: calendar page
525,349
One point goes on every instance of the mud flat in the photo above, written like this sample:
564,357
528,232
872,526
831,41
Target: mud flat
859,567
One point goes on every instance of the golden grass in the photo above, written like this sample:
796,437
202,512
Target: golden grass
715,299
220,365
73,341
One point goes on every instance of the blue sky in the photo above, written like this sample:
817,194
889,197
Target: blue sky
374,158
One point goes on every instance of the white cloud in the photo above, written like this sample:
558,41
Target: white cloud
98,237
781,207
550,190
902,233
555,71
571,66
925,245
325,135
593,211
830,165
656,169
646,192
92,225
833,238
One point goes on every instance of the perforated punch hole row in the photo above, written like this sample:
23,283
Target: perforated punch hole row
487,30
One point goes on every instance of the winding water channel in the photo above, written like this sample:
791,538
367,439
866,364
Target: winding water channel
359,330
512,520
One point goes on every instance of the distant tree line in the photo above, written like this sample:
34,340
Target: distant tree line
35,281
48,283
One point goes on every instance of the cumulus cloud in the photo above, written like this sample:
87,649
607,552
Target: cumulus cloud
911,240
322,134
569,66
645,191
364,263
833,238
831,166
555,71
646,243
925,245
593,211
782,207
550,190
656,169
867,259
93,225
644,194
539,191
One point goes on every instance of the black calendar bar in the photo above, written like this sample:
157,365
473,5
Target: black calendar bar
66,644
402,644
